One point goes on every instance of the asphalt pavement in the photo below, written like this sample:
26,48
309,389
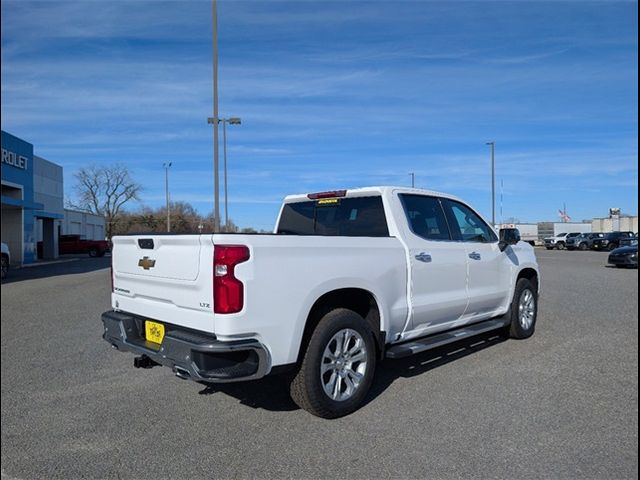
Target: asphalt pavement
563,404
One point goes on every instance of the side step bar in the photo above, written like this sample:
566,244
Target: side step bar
402,350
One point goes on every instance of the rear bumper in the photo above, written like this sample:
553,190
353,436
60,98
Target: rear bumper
191,355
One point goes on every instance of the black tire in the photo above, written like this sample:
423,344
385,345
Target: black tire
101,253
549,248
612,246
560,245
583,246
5,266
93,252
307,386
516,328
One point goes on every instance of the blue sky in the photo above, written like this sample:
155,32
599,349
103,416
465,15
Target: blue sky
336,94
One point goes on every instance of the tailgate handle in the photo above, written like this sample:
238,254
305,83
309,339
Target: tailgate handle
146,243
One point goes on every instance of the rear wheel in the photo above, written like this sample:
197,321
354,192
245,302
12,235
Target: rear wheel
338,366
524,310
93,252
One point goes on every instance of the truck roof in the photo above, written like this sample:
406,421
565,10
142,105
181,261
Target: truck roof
378,190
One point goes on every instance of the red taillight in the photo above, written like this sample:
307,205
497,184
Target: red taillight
332,194
228,291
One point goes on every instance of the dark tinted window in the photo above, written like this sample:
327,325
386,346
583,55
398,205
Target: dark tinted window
466,225
349,217
426,217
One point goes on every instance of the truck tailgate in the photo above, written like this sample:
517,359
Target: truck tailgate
165,277
175,256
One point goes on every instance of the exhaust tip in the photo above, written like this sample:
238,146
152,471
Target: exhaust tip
181,373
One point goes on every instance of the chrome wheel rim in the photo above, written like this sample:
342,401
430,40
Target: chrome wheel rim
526,309
344,365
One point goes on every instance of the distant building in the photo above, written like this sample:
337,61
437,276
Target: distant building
32,200
615,223
91,226
551,229
33,204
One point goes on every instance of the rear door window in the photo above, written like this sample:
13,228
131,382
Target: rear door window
426,217
349,217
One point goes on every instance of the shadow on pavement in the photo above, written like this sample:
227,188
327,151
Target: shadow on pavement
272,393
80,264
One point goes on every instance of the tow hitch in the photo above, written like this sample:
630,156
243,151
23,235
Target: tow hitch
144,362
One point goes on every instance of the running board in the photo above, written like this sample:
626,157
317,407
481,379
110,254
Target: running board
423,344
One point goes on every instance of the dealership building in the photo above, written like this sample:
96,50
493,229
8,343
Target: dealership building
33,204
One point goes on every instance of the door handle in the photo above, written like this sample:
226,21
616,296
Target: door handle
475,256
424,257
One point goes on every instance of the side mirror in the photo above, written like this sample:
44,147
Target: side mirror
508,236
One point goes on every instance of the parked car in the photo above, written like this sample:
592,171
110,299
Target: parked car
70,244
625,242
6,259
583,241
347,278
624,256
611,241
559,242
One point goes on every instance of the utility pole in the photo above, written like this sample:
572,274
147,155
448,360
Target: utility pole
493,182
501,198
166,189
413,180
216,161
230,121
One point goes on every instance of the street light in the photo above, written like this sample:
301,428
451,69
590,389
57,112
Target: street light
166,188
216,161
224,121
493,182
230,121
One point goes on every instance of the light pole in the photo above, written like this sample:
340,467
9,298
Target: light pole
216,162
230,121
166,190
493,182
413,180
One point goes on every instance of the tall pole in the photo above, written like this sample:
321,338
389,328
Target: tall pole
216,161
501,198
493,183
166,189
226,204
413,180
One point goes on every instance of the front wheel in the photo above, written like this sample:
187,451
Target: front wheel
524,310
611,246
560,246
93,252
583,246
338,366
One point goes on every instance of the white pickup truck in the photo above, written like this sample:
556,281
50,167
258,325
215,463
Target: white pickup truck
346,279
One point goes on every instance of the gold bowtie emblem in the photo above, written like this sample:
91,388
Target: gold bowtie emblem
146,263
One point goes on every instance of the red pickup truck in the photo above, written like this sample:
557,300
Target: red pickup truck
78,244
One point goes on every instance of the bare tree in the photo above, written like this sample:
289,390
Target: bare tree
105,190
